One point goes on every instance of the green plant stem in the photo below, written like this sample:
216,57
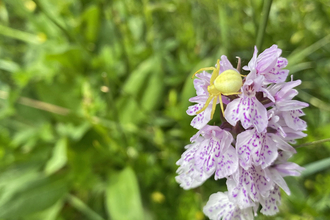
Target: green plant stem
111,105
83,208
313,143
263,23
223,27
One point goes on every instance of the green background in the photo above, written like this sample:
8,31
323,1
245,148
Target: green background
93,97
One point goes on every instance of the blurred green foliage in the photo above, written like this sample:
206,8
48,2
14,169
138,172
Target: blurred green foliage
94,93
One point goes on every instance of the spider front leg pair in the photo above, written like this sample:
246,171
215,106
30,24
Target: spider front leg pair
229,82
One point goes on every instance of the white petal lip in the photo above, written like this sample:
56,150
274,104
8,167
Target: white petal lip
200,120
249,111
226,163
219,207
210,152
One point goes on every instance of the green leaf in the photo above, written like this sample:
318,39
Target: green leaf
9,65
50,213
20,35
316,167
123,201
33,196
154,90
59,157
130,111
75,132
92,19
300,54
83,208
136,80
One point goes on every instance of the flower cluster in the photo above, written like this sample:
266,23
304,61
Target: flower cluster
251,147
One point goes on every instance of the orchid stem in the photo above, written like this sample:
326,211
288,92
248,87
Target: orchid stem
313,143
263,23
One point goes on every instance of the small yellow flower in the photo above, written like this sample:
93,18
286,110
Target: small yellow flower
157,197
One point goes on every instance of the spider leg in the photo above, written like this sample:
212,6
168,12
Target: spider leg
243,75
215,72
203,69
221,105
214,105
206,104
232,93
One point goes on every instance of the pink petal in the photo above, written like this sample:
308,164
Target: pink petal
188,176
202,82
225,64
246,186
226,163
270,204
279,180
238,194
276,75
287,105
281,143
293,121
202,118
219,207
249,111
205,157
267,153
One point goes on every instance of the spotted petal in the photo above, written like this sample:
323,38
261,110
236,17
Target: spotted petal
205,157
289,169
255,148
188,177
270,203
293,121
238,194
279,180
202,82
246,186
226,163
287,105
219,207
276,75
200,120
249,111
268,59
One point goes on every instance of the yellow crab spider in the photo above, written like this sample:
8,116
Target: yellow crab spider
227,83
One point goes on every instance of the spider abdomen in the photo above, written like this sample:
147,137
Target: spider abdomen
229,81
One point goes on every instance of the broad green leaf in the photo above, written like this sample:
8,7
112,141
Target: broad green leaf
123,201
92,18
137,78
59,157
72,131
33,196
130,110
71,58
50,213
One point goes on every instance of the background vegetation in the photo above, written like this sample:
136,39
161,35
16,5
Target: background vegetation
94,93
